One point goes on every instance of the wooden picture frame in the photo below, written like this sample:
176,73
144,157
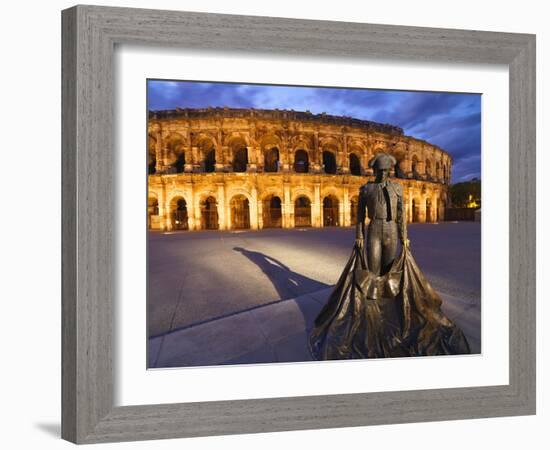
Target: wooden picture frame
90,34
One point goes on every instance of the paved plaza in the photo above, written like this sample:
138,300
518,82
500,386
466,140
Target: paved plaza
222,297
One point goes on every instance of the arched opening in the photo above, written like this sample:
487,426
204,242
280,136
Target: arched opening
175,152
354,203
437,170
272,212
179,214
151,163
428,168
271,160
240,212
209,214
151,156
354,164
329,162
445,174
397,170
428,210
302,212
415,212
152,211
210,161
240,159
301,161
179,163
330,211
414,166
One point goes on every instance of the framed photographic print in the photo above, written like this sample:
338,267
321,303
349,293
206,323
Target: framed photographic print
266,230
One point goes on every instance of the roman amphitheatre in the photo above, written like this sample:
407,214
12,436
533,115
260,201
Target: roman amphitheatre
229,168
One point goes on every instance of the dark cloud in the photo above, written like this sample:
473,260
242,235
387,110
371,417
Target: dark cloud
449,120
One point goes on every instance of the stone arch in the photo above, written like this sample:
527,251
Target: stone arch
178,193
179,212
301,141
151,154
272,211
360,149
177,153
238,147
206,146
329,161
272,159
329,143
239,207
355,166
301,161
302,210
209,211
330,210
152,210
271,148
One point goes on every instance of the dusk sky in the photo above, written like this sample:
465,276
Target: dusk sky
451,121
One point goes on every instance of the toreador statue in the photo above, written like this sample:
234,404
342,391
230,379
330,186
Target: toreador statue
382,201
382,305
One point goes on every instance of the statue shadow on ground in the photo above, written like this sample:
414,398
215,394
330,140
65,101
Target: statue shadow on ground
286,282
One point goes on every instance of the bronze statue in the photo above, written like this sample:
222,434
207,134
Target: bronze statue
383,306
382,200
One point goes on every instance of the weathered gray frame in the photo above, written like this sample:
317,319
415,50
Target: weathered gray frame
89,36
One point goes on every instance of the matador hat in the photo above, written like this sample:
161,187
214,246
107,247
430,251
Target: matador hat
382,161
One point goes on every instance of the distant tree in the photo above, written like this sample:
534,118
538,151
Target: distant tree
466,194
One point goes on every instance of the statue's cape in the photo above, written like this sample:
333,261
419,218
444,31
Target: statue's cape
396,314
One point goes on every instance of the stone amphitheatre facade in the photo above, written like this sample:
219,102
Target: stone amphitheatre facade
223,168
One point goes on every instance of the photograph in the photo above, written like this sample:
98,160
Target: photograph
310,223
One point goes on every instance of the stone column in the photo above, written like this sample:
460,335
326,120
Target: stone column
346,220
167,214
163,219
315,163
316,207
191,203
441,210
219,166
285,158
260,208
195,217
222,218
252,153
342,163
195,164
408,204
159,166
254,209
287,207
225,159
422,210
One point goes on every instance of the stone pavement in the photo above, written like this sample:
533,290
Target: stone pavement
197,276
276,332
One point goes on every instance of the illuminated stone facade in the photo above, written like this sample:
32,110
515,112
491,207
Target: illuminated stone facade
221,168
